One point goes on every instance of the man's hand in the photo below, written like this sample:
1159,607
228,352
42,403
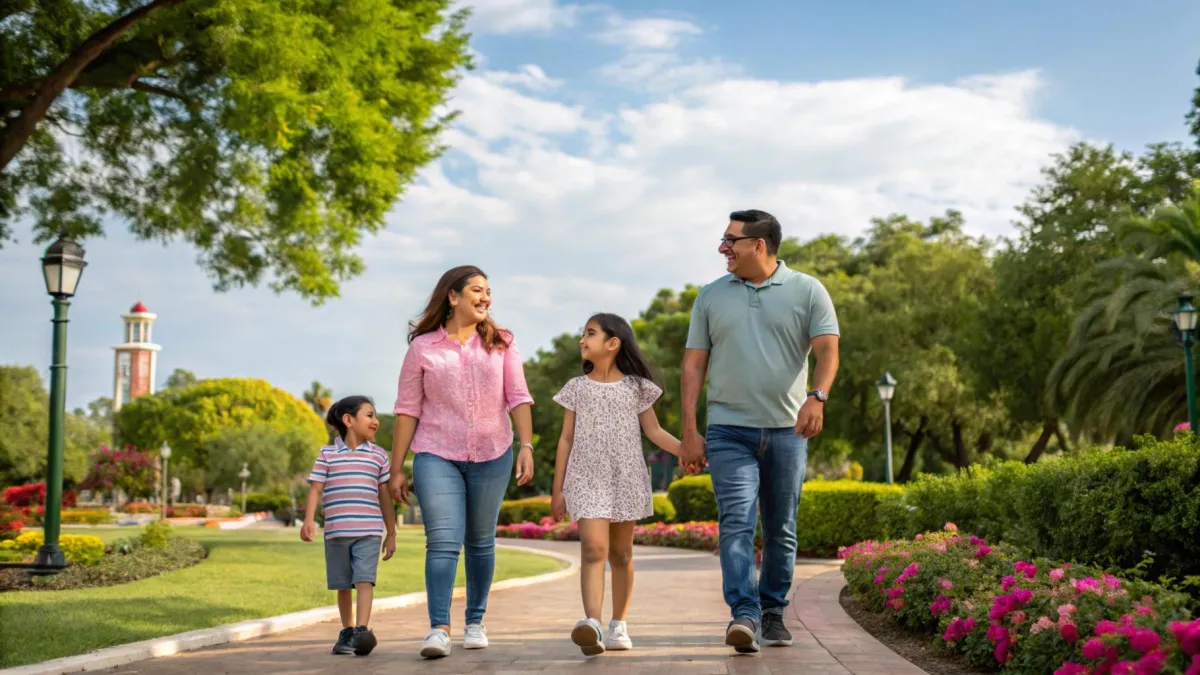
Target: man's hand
692,451
307,530
558,506
398,486
811,418
389,546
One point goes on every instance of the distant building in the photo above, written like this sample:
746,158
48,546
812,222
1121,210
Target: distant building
136,358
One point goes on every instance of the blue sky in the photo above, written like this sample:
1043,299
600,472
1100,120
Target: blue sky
601,146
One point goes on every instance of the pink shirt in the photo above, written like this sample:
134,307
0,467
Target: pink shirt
462,395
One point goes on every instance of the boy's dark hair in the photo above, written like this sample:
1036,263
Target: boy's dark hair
347,406
760,225
630,359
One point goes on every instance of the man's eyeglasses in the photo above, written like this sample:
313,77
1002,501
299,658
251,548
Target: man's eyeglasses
730,241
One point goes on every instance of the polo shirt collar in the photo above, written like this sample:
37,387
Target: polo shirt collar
342,447
780,275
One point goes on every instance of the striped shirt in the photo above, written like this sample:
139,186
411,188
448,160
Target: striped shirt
352,477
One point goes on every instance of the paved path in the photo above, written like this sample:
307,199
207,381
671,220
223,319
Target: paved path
677,621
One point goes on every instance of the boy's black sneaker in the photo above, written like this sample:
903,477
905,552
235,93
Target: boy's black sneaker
364,641
345,642
774,633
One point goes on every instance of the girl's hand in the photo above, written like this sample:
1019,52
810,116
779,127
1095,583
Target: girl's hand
307,530
524,465
558,506
398,486
389,546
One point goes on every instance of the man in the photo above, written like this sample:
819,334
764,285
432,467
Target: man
751,333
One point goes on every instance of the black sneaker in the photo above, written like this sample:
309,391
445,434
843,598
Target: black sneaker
364,641
345,642
742,635
774,633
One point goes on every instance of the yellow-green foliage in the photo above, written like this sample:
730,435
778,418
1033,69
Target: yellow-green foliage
188,417
80,549
839,513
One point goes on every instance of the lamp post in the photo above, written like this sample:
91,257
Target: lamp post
165,453
1185,321
887,387
62,266
244,474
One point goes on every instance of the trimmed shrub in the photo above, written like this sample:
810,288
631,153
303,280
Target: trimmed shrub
839,513
1103,507
266,502
693,499
664,511
79,549
528,510
155,535
86,517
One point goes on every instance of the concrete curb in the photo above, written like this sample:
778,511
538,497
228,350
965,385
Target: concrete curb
111,657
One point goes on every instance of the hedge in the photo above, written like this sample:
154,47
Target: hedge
1102,507
831,514
534,509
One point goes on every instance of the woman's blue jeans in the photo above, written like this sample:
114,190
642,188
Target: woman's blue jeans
460,503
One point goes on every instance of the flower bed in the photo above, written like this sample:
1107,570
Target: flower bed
1025,616
695,536
173,511
79,549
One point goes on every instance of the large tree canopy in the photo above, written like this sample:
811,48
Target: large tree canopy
269,135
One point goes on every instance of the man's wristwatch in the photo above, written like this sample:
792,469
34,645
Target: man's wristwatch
819,395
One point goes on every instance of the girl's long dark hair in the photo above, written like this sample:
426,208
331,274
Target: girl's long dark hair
437,309
630,359
347,406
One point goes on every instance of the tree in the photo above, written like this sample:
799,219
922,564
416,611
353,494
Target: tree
130,471
189,418
270,136
320,398
273,456
180,378
24,430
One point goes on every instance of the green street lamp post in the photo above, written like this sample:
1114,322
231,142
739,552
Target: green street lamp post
244,474
887,387
1185,321
165,453
62,266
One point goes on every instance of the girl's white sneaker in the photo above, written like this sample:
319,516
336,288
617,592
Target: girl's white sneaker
618,637
588,636
436,644
475,637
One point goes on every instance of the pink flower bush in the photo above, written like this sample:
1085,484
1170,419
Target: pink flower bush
1025,616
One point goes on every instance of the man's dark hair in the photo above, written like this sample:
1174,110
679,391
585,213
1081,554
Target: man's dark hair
761,225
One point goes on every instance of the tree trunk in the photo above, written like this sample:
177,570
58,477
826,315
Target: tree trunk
910,456
1062,440
1049,426
960,448
18,131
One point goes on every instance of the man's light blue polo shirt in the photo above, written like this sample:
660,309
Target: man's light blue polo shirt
759,339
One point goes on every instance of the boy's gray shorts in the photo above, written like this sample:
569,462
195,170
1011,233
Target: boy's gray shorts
350,561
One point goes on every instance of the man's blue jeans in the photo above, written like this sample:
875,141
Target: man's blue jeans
752,466
460,503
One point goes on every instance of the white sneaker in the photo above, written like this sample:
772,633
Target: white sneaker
475,637
618,637
588,636
436,644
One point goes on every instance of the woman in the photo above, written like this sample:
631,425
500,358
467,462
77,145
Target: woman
461,379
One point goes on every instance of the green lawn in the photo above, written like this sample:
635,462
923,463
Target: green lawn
248,574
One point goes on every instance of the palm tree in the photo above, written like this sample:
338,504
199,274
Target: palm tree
1121,374
319,397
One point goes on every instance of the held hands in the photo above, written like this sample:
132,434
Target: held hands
307,530
692,452
398,486
558,506
524,465
811,418
389,546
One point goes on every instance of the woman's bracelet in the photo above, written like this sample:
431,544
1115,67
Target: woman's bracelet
527,445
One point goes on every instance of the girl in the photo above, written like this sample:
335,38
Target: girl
600,476
460,384
351,478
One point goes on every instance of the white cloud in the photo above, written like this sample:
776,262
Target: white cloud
664,72
520,16
572,210
650,33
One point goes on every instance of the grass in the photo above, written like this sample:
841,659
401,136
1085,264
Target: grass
248,574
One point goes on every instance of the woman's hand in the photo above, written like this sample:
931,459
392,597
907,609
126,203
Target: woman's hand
398,486
524,465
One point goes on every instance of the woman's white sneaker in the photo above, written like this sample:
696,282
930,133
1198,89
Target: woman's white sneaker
588,636
475,637
436,644
618,637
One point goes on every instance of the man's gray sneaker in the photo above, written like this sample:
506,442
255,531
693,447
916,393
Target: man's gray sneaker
774,633
742,635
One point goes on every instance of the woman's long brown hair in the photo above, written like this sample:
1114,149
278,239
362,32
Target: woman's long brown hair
438,310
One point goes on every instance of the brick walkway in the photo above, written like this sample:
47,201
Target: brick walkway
677,621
